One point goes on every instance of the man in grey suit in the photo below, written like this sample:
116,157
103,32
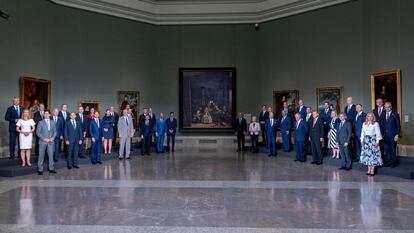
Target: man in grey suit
125,131
344,139
46,131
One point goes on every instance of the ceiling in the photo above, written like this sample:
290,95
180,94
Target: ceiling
178,12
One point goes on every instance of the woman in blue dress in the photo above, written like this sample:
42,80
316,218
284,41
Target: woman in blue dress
108,131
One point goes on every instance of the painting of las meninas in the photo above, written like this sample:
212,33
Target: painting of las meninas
387,85
207,99
34,92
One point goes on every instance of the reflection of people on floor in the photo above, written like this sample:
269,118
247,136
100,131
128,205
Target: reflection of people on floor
26,215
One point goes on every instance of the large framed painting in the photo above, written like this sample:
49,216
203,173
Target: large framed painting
387,85
131,99
333,95
207,99
88,104
34,92
292,98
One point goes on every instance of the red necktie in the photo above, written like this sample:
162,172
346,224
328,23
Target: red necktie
379,111
314,122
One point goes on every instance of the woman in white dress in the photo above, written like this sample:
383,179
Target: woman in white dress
25,127
370,137
254,129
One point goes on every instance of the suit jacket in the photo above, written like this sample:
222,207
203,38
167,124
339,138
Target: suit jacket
241,128
286,124
67,115
82,122
161,127
12,117
301,130
37,117
271,130
71,134
380,119
316,131
263,116
326,116
153,119
351,113
95,131
59,126
392,126
302,112
344,134
42,131
358,124
309,122
171,126
146,130
116,119
125,130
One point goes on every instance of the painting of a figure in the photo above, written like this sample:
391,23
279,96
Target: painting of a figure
333,95
88,104
34,92
129,99
289,96
207,99
387,85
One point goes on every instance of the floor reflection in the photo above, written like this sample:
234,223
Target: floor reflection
26,216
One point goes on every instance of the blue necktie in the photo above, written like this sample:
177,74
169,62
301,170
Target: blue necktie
126,121
48,125
74,124
18,111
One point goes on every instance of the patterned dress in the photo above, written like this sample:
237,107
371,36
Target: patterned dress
370,154
332,134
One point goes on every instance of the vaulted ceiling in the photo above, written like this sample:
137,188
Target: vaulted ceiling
170,12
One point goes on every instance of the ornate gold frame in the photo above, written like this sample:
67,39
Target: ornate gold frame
340,102
98,103
49,86
397,73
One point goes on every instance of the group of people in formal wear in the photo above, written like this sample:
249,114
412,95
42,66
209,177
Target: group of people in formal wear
60,131
352,135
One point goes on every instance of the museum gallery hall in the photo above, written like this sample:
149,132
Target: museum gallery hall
230,116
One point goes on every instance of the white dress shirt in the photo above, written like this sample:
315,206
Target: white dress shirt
371,130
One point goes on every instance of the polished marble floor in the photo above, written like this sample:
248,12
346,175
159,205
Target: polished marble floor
206,191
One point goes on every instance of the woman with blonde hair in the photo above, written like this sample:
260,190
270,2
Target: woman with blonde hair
370,137
332,143
25,126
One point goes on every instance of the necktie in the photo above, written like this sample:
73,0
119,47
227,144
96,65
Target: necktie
55,119
388,115
41,115
81,117
48,125
64,115
357,116
297,124
126,121
254,125
97,122
240,121
342,124
379,111
73,123
314,122
18,111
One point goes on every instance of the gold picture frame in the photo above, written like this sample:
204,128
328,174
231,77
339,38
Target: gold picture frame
87,104
291,96
387,85
34,91
133,99
333,94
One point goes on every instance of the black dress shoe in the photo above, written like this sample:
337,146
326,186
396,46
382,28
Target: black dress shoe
393,165
238,150
52,171
303,161
319,163
128,158
93,163
313,162
69,167
342,168
142,154
120,158
99,162
11,157
40,173
269,155
148,154
368,174
347,169
76,166
296,160
173,150
82,156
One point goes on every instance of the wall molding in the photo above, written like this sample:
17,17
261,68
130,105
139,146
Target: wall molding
199,11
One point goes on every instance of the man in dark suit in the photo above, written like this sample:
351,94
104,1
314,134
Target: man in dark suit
65,115
81,118
141,118
73,138
325,115
115,117
301,130
350,110
308,119
146,134
392,129
37,117
96,132
241,127
379,113
285,127
171,131
263,116
58,121
359,121
153,121
343,140
316,132
271,134
13,114
301,109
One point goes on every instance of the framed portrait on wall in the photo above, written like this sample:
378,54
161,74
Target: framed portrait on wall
131,99
207,99
292,98
387,85
88,104
34,92
333,95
